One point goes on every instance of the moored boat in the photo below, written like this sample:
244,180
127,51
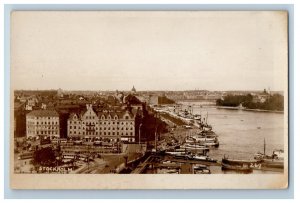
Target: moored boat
203,158
193,146
201,169
276,160
239,164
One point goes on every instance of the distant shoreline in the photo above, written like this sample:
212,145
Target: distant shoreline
245,109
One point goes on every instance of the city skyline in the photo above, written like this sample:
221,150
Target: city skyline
167,51
147,90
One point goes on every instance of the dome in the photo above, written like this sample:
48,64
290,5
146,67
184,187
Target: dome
133,89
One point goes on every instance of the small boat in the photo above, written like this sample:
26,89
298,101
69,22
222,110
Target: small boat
203,158
203,138
201,169
207,133
174,153
211,144
193,146
238,165
183,156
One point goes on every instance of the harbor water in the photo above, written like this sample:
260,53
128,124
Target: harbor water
242,133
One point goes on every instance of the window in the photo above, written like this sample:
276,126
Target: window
126,117
70,127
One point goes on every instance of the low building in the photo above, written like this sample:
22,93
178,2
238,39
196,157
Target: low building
42,123
153,100
110,125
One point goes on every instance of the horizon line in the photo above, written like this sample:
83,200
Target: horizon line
93,90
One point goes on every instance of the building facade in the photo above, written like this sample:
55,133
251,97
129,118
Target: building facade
114,126
42,123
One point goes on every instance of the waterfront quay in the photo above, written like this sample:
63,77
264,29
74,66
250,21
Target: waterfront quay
165,163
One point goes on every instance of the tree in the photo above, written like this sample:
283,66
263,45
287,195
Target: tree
44,157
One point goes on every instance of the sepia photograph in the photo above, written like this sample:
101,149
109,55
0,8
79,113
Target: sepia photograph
149,100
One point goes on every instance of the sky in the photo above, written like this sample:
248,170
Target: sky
150,50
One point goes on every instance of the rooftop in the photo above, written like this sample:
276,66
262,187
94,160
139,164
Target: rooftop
43,113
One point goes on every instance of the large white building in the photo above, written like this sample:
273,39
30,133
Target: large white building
42,123
102,125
